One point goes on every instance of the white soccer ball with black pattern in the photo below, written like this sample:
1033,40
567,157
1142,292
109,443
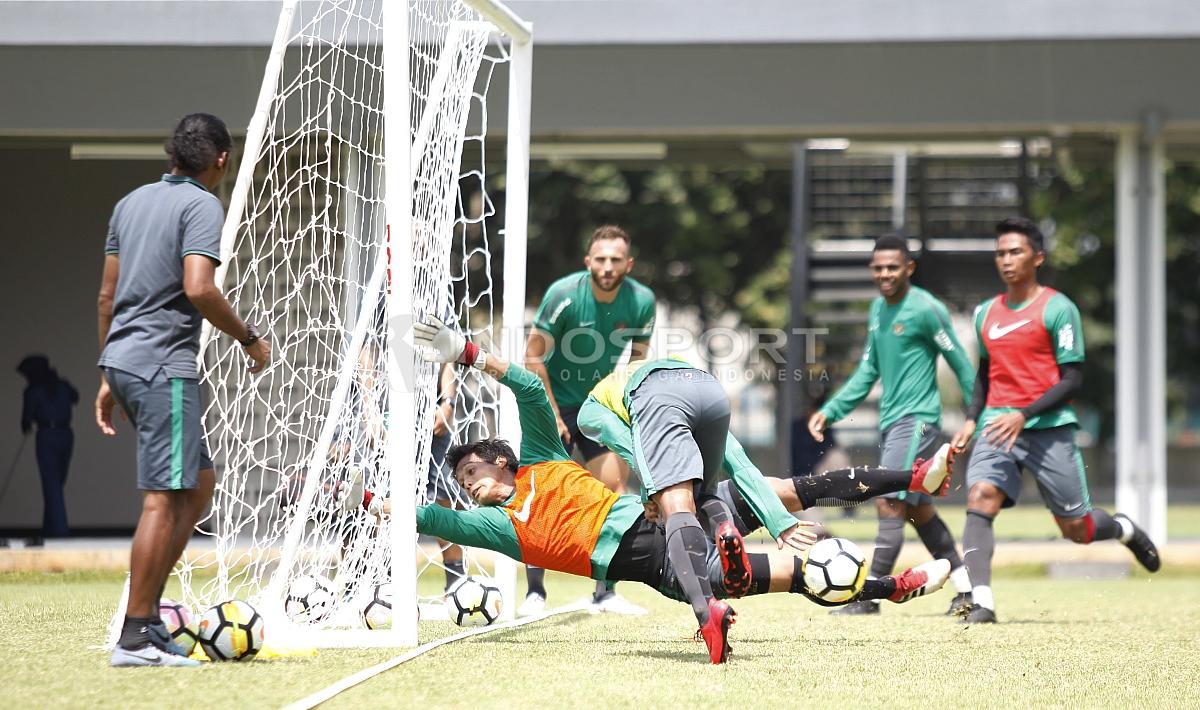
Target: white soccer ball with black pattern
377,612
474,601
178,620
231,631
835,570
310,598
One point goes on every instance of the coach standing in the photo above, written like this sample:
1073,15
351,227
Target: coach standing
163,247
579,335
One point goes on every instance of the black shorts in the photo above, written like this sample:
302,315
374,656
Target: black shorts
641,555
588,449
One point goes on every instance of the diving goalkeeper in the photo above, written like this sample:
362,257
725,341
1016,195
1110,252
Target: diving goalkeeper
545,509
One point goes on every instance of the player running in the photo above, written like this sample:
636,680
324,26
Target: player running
545,509
908,329
1030,367
579,334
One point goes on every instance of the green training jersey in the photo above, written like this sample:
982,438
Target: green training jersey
589,336
903,343
558,517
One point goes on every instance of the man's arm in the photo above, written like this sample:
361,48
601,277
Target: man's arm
603,426
755,489
108,290
199,284
942,334
486,527
850,395
537,347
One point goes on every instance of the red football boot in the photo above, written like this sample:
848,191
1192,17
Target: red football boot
921,580
715,631
735,563
932,477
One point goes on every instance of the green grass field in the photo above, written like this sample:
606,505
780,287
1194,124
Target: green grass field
1125,643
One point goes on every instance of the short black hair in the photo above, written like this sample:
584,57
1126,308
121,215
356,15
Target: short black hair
198,140
893,242
489,450
1026,226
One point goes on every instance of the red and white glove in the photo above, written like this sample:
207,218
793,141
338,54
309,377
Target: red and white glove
439,342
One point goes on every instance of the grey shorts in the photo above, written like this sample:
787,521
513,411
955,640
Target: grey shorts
441,484
1053,459
680,423
166,413
900,444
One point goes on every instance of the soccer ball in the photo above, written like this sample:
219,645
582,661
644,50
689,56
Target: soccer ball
178,620
230,631
310,598
835,570
377,612
474,601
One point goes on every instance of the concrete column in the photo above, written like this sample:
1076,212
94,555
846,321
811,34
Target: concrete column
1141,327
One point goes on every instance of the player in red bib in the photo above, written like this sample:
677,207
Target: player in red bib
1030,367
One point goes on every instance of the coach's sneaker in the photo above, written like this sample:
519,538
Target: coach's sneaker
161,638
1139,543
613,603
148,655
933,476
975,614
865,607
534,605
735,563
715,631
959,602
920,580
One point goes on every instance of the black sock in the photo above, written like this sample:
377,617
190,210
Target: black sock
604,589
849,485
713,512
881,588
1103,526
687,551
939,541
760,573
888,542
979,542
746,520
535,577
135,632
455,570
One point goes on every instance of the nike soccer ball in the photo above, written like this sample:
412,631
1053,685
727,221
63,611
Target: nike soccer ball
231,631
835,570
310,598
377,612
474,601
178,620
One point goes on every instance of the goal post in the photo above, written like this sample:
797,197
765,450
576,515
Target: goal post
362,203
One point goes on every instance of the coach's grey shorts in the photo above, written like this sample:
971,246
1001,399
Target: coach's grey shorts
1053,459
900,444
166,413
680,423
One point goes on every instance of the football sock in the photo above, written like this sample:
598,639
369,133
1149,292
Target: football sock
454,571
881,588
535,577
849,485
888,542
979,542
960,579
939,541
604,589
687,551
798,584
1127,529
1102,526
713,512
982,595
760,573
135,632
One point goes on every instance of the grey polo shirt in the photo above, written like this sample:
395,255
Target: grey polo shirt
154,325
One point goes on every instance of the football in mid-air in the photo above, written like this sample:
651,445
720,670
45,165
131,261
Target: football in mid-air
178,619
377,612
310,598
231,631
474,601
835,570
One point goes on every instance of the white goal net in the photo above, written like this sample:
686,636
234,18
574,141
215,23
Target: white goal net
317,259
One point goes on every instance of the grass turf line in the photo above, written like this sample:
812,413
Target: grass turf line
1067,643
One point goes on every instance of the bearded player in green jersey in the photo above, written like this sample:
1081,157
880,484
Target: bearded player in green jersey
908,329
580,332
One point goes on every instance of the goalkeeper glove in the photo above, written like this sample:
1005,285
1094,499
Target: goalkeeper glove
441,343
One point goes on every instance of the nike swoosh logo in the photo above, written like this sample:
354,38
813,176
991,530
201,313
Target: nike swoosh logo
154,655
586,323
996,332
1072,507
523,513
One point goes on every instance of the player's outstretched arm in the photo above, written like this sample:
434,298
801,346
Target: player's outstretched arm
850,395
763,500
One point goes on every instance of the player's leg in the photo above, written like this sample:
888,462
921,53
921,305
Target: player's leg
993,482
781,571
1057,465
938,539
